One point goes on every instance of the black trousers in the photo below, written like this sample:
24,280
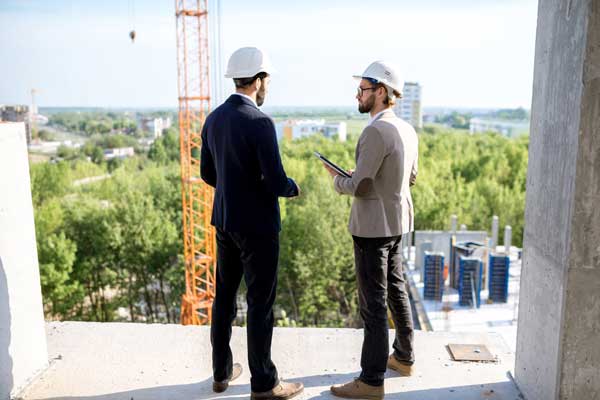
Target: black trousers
381,284
254,257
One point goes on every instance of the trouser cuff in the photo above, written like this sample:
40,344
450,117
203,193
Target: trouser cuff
372,382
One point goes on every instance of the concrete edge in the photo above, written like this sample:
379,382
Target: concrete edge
20,392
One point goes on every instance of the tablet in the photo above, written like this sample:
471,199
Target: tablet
332,165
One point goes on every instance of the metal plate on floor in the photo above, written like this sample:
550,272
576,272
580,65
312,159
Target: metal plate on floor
470,352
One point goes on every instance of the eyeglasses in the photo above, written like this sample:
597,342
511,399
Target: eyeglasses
359,90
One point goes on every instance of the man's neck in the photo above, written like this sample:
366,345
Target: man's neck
377,109
249,93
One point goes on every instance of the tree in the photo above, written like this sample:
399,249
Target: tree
66,152
157,152
170,141
48,181
317,284
104,127
317,267
118,242
90,224
519,114
46,135
56,255
97,155
146,248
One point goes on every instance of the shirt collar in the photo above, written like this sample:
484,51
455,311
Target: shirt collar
376,116
248,97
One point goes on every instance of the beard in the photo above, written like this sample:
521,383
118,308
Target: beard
367,106
260,96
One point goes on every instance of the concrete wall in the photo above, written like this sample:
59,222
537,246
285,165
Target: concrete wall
22,337
558,339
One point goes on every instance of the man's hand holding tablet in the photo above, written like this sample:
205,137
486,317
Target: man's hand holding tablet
331,167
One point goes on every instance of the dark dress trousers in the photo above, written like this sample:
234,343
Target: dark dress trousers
240,159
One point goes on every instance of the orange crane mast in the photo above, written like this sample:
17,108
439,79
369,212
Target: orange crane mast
197,197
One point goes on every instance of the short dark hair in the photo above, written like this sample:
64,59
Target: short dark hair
241,83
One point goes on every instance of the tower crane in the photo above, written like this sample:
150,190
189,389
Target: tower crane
197,197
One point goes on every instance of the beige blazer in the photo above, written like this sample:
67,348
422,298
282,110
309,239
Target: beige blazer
386,164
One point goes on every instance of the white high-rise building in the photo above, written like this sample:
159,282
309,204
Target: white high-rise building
409,107
154,125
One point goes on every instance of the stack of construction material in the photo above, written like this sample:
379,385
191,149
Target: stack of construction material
458,250
498,282
433,276
469,284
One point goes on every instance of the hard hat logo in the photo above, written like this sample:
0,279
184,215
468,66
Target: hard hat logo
384,73
246,62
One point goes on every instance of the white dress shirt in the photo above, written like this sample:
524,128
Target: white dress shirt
374,117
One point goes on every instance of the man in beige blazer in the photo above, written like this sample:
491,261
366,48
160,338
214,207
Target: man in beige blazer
382,211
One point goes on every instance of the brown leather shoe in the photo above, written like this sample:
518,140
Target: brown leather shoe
222,386
357,389
398,366
281,391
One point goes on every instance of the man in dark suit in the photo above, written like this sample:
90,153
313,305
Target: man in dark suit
240,159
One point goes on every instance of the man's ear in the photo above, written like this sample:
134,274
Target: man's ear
258,84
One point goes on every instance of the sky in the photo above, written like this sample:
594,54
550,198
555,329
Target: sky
77,53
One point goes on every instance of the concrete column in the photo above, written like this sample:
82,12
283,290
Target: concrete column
507,239
22,336
495,227
453,223
558,339
420,256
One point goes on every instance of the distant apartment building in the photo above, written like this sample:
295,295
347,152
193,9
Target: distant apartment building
409,107
505,128
17,113
120,152
294,129
154,125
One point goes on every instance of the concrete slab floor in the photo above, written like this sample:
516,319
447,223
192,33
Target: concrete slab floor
105,361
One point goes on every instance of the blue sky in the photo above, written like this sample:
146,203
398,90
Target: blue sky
465,53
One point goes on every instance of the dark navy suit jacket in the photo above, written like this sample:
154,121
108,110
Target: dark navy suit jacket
240,159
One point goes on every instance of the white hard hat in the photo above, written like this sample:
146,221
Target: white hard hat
247,62
384,73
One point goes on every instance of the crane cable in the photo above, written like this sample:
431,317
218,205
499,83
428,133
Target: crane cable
131,11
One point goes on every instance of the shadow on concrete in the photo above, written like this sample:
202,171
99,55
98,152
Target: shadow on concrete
489,391
6,363
190,391
203,390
